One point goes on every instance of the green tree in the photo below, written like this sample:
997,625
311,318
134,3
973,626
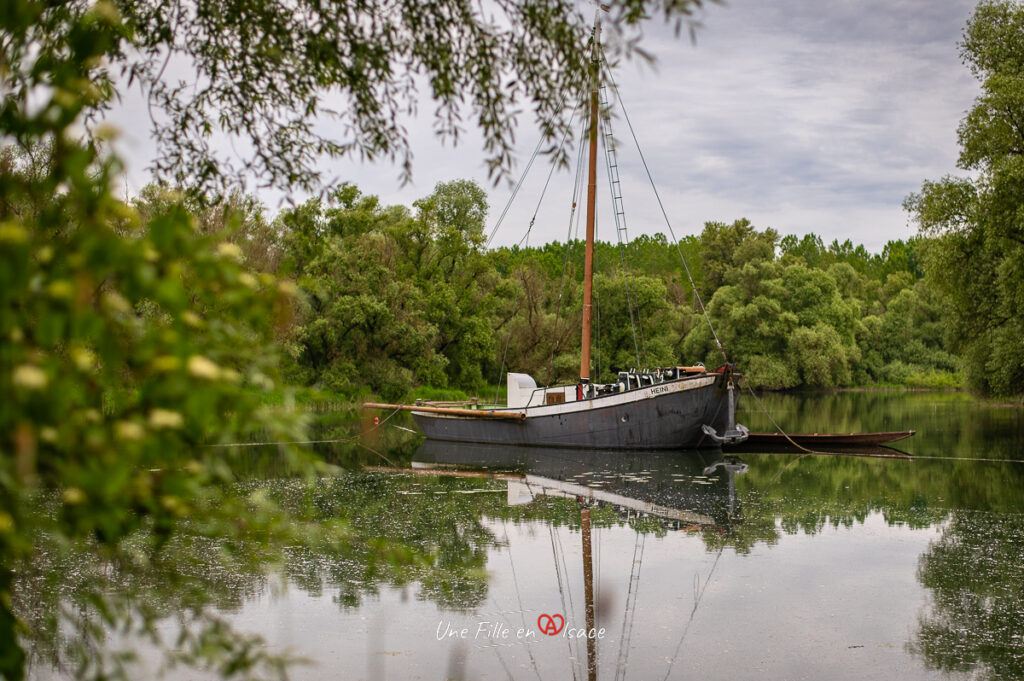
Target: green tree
458,285
131,340
977,256
359,324
653,340
538,333
392,299
855,256
786,326
238,218
900,256
728,247
128,345
785,323
810,248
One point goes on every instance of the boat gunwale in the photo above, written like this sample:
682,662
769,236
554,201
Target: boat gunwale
553,409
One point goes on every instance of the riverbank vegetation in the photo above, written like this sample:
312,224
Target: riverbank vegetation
399,301
977,256
392,298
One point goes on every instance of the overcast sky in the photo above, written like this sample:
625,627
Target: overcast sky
801,115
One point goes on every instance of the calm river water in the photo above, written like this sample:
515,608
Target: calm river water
704,565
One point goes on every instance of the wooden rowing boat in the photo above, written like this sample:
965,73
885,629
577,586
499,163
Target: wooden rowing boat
829,439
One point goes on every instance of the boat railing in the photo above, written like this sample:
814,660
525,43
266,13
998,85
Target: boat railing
627,381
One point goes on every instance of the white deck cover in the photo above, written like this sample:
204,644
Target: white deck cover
520,387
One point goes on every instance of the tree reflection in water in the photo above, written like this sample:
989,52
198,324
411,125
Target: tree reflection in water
432,535
399,530
975,620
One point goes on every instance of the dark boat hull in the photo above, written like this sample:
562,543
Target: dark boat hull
667,415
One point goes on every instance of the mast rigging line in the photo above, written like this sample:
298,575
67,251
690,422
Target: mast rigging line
523,242
526,171
664,213
629,612
519,598
698,596
621,233
561,592
573,215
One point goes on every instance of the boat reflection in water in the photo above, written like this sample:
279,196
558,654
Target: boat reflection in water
682,488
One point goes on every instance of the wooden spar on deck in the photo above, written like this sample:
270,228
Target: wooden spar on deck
450,472
588,260
477,413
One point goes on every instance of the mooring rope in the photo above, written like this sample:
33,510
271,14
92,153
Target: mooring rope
778,427
310,442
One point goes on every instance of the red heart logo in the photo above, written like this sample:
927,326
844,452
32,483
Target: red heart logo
547,624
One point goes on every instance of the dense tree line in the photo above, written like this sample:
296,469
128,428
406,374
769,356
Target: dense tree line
396,297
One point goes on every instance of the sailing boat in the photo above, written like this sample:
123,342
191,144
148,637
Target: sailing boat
667,408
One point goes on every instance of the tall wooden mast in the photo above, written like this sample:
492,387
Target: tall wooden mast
588,261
